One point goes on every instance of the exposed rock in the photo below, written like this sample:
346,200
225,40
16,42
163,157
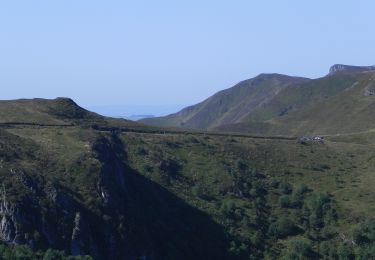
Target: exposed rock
369,90
79,236
23,178
82,242
59,198
340,68
9,231
111,184
45,213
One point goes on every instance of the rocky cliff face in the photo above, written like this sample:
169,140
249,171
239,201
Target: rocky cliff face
76,189
10,221
82,242
28,221
52,215
340,68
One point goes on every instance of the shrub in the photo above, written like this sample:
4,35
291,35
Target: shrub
318,210
257,239
227,208
257,189
301,189
283,227
237,249
365,252
299,249
285,187
52,254
23,253
365,234
345,252
198,191
241,165
284,201
275,183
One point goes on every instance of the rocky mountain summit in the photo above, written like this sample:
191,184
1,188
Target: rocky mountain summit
340,68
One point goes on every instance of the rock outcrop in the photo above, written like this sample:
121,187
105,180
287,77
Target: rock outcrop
9,231
45,213
82,242
340,68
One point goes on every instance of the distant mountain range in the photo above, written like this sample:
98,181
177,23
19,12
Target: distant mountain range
340,102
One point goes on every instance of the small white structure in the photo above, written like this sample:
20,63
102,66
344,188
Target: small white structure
311,139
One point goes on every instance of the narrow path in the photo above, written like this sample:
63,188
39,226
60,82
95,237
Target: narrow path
146,130
15,124
169,131
351,133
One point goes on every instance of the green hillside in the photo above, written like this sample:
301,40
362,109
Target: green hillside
58,111
341,102
54,112
228,106
115,192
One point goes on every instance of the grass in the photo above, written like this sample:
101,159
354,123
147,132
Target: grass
198,184
331,105
209,162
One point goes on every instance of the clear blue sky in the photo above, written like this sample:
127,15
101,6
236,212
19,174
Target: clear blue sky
172,52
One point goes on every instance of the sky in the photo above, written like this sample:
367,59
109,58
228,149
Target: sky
167,54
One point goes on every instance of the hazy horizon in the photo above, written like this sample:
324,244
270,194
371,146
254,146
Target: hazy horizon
139,53
127,111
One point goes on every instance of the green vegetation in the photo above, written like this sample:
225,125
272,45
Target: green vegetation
228,106
99,188
339,103
25,253
279,199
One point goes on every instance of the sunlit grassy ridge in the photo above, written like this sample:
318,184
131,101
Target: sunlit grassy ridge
342,102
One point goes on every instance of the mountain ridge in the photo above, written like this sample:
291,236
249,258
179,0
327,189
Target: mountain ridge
280,112
228,105
341,68
58,111
94,190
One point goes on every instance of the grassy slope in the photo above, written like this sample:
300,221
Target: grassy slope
271,104
334,104
59,111
341,167
230,105
348,111
41,111
349,160
206,172
198,181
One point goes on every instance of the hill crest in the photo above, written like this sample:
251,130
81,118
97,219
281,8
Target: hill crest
341,68
229,105
282,105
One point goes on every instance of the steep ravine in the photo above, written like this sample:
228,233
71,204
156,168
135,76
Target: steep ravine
99,206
